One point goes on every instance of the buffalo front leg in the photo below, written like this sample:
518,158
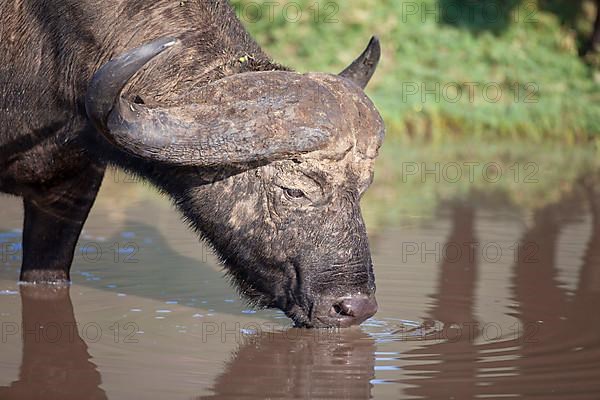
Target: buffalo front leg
54,218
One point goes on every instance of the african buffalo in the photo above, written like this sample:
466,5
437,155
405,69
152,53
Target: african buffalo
266,164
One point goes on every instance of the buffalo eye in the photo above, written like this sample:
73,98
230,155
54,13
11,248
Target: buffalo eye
294,193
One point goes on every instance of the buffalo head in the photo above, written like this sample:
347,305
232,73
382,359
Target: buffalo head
270,168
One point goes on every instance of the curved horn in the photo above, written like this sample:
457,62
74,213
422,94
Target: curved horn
108,82
363,68
241,119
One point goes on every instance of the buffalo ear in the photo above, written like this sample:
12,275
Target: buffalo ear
363,68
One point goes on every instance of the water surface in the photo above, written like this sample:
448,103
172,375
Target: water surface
486,290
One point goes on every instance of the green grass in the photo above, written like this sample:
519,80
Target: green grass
548,92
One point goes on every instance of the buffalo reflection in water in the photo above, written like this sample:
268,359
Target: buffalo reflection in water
302,365
56,363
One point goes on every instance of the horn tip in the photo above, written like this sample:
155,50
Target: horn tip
159,45
170,42
375,46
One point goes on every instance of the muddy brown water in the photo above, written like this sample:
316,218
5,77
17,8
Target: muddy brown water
478,299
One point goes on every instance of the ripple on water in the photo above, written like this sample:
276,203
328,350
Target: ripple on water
396,330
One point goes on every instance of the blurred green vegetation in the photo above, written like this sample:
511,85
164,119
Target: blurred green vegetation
499,69
413,179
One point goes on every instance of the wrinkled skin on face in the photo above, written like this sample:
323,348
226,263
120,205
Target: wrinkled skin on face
269,167
291,233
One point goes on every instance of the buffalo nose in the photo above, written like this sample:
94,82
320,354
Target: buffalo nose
353,310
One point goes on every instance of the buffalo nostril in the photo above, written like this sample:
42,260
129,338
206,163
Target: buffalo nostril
357,308
336,310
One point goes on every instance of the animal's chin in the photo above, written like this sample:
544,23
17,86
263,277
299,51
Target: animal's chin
302,320
321,323
299,317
